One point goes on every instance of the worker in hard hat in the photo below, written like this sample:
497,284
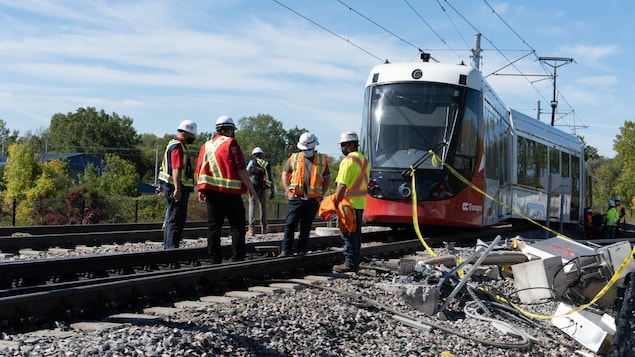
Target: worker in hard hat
352,182
222,179
305,178
611,220
176,182
262,179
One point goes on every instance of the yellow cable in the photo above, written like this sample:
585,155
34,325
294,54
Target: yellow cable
415,215
599,295
475,188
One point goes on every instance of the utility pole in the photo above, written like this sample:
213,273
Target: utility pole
557,62
476,52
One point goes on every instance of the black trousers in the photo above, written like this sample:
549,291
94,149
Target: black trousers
219,206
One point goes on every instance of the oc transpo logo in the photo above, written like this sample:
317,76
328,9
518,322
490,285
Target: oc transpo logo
468,207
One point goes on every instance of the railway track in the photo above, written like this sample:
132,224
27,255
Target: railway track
39,290
35,291
12,239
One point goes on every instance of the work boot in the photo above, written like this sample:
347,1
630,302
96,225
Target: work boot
283,254
250,233
265,230
343,268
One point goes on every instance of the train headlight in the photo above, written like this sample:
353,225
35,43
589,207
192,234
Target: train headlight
374,190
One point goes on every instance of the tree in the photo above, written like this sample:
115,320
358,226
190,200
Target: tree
53,181
265,132
6,138
94,132
21,171
590,152
624,145
119,177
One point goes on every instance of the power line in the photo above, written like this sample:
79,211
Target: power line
329,31
537,57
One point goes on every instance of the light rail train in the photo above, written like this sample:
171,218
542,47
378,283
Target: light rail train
411,108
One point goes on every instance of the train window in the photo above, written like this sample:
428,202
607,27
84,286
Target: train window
565,165
554,161
575,188
469,137
405,120
532,163
541,164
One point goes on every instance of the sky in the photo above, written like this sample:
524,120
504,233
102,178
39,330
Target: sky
305,62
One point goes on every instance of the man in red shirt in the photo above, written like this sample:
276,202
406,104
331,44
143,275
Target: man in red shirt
222,178
177,182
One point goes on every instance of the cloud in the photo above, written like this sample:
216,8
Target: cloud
591,54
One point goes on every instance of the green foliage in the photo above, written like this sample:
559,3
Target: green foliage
96,133
604,178
21,171
92,132
90,177
265,132
53,181
590,152
119,177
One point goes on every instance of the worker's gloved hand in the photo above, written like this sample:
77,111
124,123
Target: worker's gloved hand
272,194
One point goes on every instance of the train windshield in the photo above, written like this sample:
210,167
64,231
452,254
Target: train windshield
406,120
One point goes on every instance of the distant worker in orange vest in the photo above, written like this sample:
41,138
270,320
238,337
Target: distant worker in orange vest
222,178
352,183
305,178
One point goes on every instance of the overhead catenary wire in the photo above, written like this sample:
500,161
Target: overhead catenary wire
330,31
438,35
535,55
431,28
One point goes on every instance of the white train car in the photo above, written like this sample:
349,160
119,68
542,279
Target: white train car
411,108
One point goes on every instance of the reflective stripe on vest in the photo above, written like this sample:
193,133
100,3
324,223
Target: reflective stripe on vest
165,174
216,179
263,163
296,183
360,186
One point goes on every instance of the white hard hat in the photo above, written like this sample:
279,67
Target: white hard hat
307,141
225,121
611,203
256,150
189,126
348,136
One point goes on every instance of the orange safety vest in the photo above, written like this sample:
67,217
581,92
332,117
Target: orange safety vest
345,213
296,179
216,172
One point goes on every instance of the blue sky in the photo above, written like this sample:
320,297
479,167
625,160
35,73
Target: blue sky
163,61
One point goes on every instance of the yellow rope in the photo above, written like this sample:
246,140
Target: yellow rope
614,278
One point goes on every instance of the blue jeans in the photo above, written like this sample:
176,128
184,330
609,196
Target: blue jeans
303,212
610,232
175,216
353,243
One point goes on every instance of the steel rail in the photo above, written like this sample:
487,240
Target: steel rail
25,308
43,237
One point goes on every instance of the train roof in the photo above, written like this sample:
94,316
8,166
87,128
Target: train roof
536,130
459,74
